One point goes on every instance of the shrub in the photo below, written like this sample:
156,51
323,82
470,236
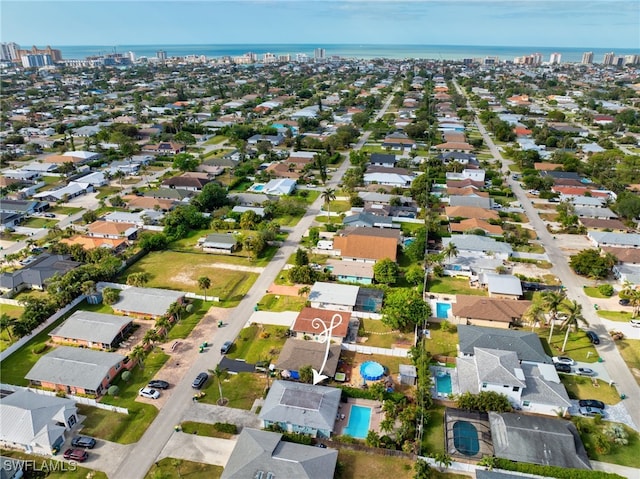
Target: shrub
189,308
41,348
265,334
553,471
226,427
126,375
113,390
606,290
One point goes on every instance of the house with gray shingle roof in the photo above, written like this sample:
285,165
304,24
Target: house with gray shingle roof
621,240
525,343
300,407
36,274
224,243
76,370
146,302
264,455
35,422
93,330
474,245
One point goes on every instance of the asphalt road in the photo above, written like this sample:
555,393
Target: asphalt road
140,458
615,365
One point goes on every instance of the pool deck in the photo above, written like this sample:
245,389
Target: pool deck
344,413
454,381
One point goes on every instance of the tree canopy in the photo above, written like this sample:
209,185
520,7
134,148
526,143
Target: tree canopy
404,308
591,263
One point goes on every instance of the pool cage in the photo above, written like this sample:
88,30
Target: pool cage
473,441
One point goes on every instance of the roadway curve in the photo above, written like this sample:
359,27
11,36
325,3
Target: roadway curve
615,365
144,453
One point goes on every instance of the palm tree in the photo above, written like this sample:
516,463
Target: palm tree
175,309
443,460
162,324
535,314
633,295
450,251
552,300
328,196
220,374
150,337
304,291
6,323
204,283
574,315
138,354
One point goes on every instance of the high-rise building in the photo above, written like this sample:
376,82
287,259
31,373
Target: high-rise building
161,55
269,58
609,58
284,58
631,59
56,55
132,56
302,57
38,60
9,51
319,54
587,58
555,58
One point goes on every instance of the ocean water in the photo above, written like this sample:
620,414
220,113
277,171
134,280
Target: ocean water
437,52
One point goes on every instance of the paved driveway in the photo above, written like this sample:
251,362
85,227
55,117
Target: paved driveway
105,456
191,447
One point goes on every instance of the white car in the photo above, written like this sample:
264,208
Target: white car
149,393
635,323
563,360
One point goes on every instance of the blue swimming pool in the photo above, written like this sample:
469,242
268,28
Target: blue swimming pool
258,187
442,310
465,438
359,420
443,383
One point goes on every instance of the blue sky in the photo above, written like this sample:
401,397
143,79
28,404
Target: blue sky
560,23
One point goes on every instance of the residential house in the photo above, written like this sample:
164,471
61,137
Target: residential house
473,201
546,166
489,312
331,296
89,243
274,140
37,273
482,246
279,187
113,230
472,225
383,160
526,344
400,177
139,218
458,157
9,220
164,148
243,209
617,240
398,141
264,455
454,212
170,194
58,160
135,202
369,220
310,323
146,302
248,199
475,175
301,408
615,226
351,271
77,370
298,353
34,422
595,212
95,179
93,330
64,193
502,286
461,146
537,440
224,243
23,207
367,244
190,181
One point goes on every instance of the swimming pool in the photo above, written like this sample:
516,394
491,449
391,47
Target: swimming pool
442,310
359,420
257,187
465,438
443,383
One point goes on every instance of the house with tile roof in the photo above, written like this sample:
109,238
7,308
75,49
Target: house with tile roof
367,244
474,224
476,212
90,242
309,323
164,148
113,230
488,312
190,181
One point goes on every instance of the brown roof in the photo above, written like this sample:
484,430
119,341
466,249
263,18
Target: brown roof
4,181
454,137
624,255
186,181
60,159
400,141
547,166
464,183
490,309
89,242
281,170
604,224
471,212
297,353
367,243
303,323
474,223
454,145
147,202
109,227
467,191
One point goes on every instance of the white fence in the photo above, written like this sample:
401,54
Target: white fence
54,317
366,315
359,348
77,399
215,299
13,302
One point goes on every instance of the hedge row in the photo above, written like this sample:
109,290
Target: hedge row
554,471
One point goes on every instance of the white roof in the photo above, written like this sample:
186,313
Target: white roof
282,186
387,178
72,188
332,293
87,155
503,284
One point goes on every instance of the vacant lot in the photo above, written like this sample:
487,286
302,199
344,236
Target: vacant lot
170,468
449,285
180,271
277,303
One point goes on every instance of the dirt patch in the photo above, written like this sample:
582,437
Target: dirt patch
184,278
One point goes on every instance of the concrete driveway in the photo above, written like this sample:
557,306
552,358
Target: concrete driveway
191,447
105,456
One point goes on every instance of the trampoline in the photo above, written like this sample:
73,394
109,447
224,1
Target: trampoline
371,370
465,438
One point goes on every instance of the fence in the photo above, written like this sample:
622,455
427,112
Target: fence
215,299
359,348
77,399
13,302
54,317
366,315
378,451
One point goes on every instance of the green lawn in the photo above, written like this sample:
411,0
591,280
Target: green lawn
258,342
593,292
449,285
59,472
202,429
580,387
338,206
39,223
433,437
628,455
188,321
12,312
443,342
381,336
622,316
107,191
278,303
240,389
630,351
170,468
215,140
578,346
180,271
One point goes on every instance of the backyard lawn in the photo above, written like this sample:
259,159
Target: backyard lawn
628,455
240,389
379,335
433,437
258,342
593,292
13,312
180,271
170,468
59,472
580,387
278,303
443,342
449,285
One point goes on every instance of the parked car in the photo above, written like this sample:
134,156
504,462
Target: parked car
593,337
563,360
586,372
78,455
149,393
158,384
226,347
49,215
594,403
591,411
635,323
624,302
562,368
199,381
83,441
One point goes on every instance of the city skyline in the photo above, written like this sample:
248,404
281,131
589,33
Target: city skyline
572,24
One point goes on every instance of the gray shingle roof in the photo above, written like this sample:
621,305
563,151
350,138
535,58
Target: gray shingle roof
94,327
498,367
503,284
537,440
79,367
479,202
526,344
262,451
38,272
149,301
542,386
297,353
478,243
301,404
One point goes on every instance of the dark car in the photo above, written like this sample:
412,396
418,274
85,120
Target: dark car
586,372
78,455
562,368
199,381
83,441
593,403
226,347
593,337
624,302
158,384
